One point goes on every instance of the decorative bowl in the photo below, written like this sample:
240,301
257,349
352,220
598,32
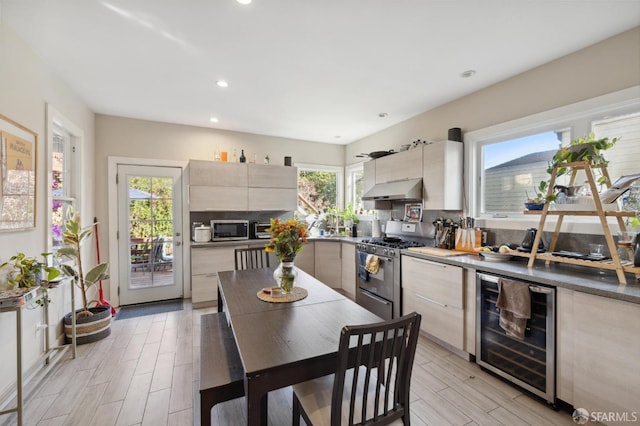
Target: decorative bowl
534,206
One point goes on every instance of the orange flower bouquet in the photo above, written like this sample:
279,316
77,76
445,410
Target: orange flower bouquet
287,238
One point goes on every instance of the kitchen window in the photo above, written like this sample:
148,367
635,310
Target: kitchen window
319,188
506,162
355,184
63,145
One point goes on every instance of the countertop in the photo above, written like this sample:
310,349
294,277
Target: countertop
578,278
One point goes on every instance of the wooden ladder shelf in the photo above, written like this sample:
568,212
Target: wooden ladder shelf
615,263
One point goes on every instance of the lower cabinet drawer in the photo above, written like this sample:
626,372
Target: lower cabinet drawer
439,320
204,288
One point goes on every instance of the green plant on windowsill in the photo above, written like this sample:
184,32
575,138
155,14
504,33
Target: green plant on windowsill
349,214
582,149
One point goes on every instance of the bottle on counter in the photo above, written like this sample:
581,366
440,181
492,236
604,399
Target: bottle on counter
235,155
243,159
266,159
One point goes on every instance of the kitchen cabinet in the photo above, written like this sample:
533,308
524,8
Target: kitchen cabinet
436,291
217,186
328,263
403,165
221,186
272,187
442,175
305,260
598,351
349,268
205,264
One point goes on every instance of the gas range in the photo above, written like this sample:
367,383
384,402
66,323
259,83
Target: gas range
388,246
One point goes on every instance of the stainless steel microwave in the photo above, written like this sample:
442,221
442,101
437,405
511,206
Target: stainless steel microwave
227,230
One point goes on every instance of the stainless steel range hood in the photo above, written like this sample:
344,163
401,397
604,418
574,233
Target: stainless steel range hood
408,189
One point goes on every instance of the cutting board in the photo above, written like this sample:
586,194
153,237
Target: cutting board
435,251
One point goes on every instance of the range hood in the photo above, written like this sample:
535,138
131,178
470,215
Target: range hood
408,189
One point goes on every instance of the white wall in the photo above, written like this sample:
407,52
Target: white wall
141,139
605,67
26,86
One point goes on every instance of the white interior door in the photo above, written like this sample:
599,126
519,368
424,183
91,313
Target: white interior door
149,233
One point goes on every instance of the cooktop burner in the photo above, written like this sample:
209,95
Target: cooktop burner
393,242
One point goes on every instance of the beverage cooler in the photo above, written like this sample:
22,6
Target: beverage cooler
528,362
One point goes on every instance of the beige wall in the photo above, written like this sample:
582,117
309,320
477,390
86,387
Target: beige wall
26,86
608,66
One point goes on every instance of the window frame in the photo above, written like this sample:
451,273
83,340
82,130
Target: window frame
350,184
56,120
577,117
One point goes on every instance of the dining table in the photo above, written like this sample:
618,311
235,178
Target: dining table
281,344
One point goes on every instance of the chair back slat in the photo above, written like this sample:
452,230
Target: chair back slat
251,258
374,366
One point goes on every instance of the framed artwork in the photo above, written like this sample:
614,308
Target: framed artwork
18,153
413,212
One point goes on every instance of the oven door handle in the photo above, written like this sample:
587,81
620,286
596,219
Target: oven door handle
374,297
537,289
426,299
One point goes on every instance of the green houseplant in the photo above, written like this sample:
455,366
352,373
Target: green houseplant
28,271
92,323
587,149
348,214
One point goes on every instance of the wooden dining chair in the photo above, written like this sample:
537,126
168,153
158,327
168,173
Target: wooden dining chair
376,390
251,258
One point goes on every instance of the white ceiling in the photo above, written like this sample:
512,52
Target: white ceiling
302,69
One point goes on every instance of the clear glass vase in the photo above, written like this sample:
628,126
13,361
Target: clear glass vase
285,275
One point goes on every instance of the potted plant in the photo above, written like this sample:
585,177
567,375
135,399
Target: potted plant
28,271
92,323
582,149
349,216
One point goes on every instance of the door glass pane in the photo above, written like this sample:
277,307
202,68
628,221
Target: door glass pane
150,231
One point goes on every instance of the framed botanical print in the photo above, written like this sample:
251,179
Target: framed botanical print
18,154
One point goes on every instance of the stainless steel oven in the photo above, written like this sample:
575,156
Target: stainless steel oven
527,362
375,291
379,290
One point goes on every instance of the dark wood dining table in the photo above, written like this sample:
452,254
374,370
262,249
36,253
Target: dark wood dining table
281,344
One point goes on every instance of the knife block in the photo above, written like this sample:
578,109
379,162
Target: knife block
465,241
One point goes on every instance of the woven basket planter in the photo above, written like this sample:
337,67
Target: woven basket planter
89,329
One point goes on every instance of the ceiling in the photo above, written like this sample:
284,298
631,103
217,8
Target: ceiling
318,70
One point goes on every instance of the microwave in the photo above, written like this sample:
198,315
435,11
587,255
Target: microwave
260,230
227,230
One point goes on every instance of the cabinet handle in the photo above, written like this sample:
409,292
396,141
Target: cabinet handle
426,299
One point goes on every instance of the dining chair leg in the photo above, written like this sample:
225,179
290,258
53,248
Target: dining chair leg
296,411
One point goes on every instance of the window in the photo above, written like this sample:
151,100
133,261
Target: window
512,169
319,188
355,184
63,141
507,161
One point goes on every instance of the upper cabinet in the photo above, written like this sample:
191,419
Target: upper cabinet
403,165
217,186
442,175
273,187
438,164
220,186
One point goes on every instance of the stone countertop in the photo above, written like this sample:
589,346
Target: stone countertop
578,278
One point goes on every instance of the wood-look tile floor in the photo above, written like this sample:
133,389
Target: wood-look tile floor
147,372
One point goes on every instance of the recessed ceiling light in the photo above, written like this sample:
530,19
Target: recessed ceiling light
382,114
468,73
244,2
213,119
337,137
222,83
